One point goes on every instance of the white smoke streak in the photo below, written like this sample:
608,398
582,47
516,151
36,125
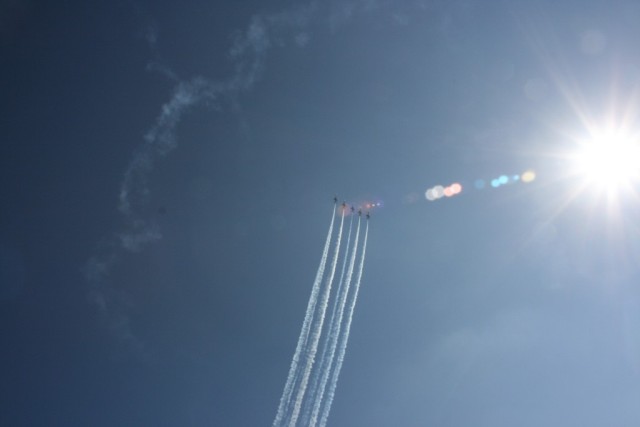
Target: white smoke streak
335,332
247,55
344,339
315,337
322,362
285,399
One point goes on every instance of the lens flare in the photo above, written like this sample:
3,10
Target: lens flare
528,176
440,191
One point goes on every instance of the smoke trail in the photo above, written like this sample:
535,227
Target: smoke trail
322,363
334,332
344,338
318,312
303,339
315,337
306,326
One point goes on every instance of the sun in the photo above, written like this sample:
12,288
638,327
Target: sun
608,161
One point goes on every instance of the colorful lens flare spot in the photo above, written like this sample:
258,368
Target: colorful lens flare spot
528,176
367,206
440,191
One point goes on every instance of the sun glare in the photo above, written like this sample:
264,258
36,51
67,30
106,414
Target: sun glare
609,161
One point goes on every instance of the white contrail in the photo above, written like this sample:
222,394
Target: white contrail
322,361
344,337
303,339
306,326
314,315
315,336
334,333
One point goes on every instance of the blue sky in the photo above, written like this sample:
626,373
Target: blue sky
167,173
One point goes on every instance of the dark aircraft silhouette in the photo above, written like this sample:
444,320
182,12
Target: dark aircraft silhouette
368,215
352,209
359,212
335,199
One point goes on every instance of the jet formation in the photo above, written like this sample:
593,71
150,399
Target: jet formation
311,383
344,206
